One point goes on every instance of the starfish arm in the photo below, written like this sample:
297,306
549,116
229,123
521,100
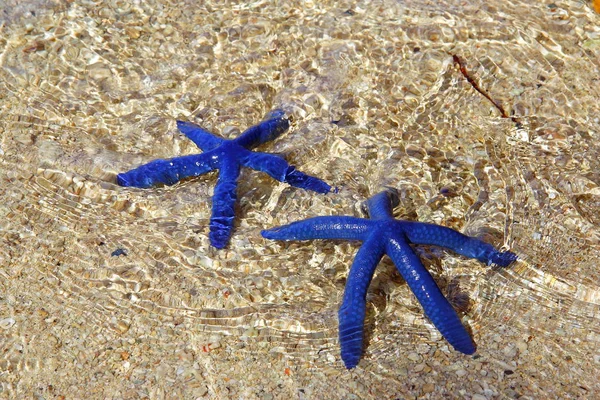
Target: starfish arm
223,203
203,139
381,205
353,309
422,233
274,124
279,169
427,292
347,228
167,172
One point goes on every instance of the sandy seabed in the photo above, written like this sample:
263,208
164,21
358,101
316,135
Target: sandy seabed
484,116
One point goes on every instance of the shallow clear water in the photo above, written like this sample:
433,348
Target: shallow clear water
485,117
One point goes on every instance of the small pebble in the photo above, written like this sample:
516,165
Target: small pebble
7,323
202,391
522,346
428,388
419,367
510,351
119,252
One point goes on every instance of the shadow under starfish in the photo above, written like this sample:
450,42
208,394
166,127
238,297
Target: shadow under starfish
228,156
382,234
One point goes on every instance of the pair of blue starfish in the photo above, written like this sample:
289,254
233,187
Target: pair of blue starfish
381,234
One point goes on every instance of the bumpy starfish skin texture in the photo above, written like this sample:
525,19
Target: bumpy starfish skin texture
228,156
382,234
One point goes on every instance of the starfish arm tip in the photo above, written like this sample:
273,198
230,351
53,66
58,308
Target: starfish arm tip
351,348
461,341
304,181
223,210
351,320
271,127
285,232
488,254
451,328
350,362
137,178
268,234
217,243
121,180
219,235
185,126
351,331
503,259
276,113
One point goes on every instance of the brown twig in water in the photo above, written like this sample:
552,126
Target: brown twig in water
463,70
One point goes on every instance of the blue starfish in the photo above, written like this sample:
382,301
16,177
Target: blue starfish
382,234
228,156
